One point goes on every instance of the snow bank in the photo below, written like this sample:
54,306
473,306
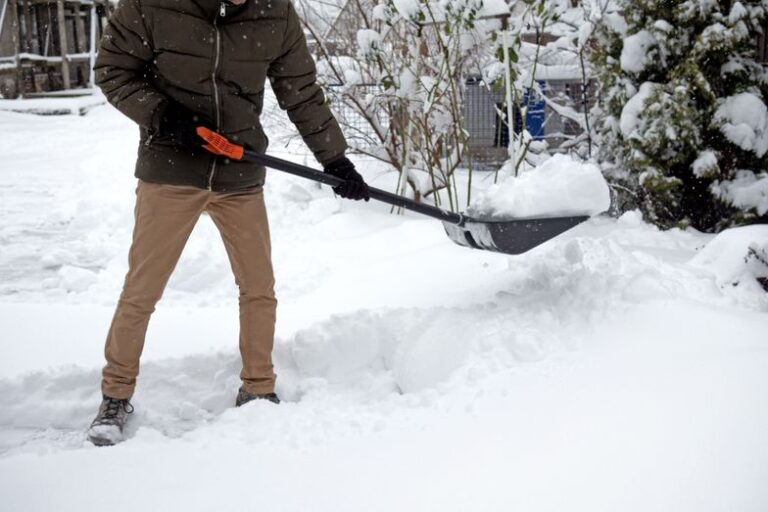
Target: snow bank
560,186
743,119
737,255
413,351
79,105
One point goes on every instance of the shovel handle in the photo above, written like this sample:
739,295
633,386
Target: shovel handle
220,145
375,193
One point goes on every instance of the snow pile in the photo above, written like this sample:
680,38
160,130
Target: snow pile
635,54
76,279
560,186
736,256
743,118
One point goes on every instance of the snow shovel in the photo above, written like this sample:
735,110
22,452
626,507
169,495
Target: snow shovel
514,236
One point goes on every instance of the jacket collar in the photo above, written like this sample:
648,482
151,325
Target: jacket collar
212,9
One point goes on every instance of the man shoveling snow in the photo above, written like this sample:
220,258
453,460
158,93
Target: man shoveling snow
172,67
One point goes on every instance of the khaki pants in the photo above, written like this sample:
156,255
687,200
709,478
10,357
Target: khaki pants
165,216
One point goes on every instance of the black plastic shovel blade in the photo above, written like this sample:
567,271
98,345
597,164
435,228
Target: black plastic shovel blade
509,236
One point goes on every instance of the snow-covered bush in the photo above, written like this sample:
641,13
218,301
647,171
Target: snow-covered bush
544,40
560,32
685,126
519,47
399,69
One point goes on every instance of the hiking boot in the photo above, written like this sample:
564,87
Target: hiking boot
243,397
107,427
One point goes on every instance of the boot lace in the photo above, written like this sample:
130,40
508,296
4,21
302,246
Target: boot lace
113,405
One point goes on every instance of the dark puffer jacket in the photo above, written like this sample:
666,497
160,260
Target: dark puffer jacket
213,58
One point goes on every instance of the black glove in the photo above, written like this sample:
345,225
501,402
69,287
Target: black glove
353,187
180,124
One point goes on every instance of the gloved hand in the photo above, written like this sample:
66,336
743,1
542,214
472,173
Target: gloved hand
179,124
353,187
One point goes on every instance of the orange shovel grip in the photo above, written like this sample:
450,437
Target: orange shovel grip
219,144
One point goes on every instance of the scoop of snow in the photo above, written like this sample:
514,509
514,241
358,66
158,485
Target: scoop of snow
561,186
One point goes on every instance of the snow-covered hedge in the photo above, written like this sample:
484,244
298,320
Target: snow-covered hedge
685,126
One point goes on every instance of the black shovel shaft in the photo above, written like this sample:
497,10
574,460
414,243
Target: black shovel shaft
380,195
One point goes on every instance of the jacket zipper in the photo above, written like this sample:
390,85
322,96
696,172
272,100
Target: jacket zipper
222,13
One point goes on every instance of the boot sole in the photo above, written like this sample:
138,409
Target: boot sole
100,441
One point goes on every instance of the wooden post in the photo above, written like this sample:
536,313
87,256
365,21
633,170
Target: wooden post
17,40
92,49
30,22
2,15
80,30
511,152
63,42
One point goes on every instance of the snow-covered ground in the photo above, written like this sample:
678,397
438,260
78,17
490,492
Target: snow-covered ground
613,369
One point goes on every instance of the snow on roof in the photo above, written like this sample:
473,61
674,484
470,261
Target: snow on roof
437,10
554,63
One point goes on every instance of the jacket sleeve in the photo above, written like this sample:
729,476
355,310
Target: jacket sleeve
294,79
121,66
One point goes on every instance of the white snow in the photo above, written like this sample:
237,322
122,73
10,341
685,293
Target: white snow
738,13
631,114
56,105
560,186
743,118
727,255
109,433
663,26
705,164
76,279
635,54
368,41
493,8
747,190
608,369
615,21
407,8
380,12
